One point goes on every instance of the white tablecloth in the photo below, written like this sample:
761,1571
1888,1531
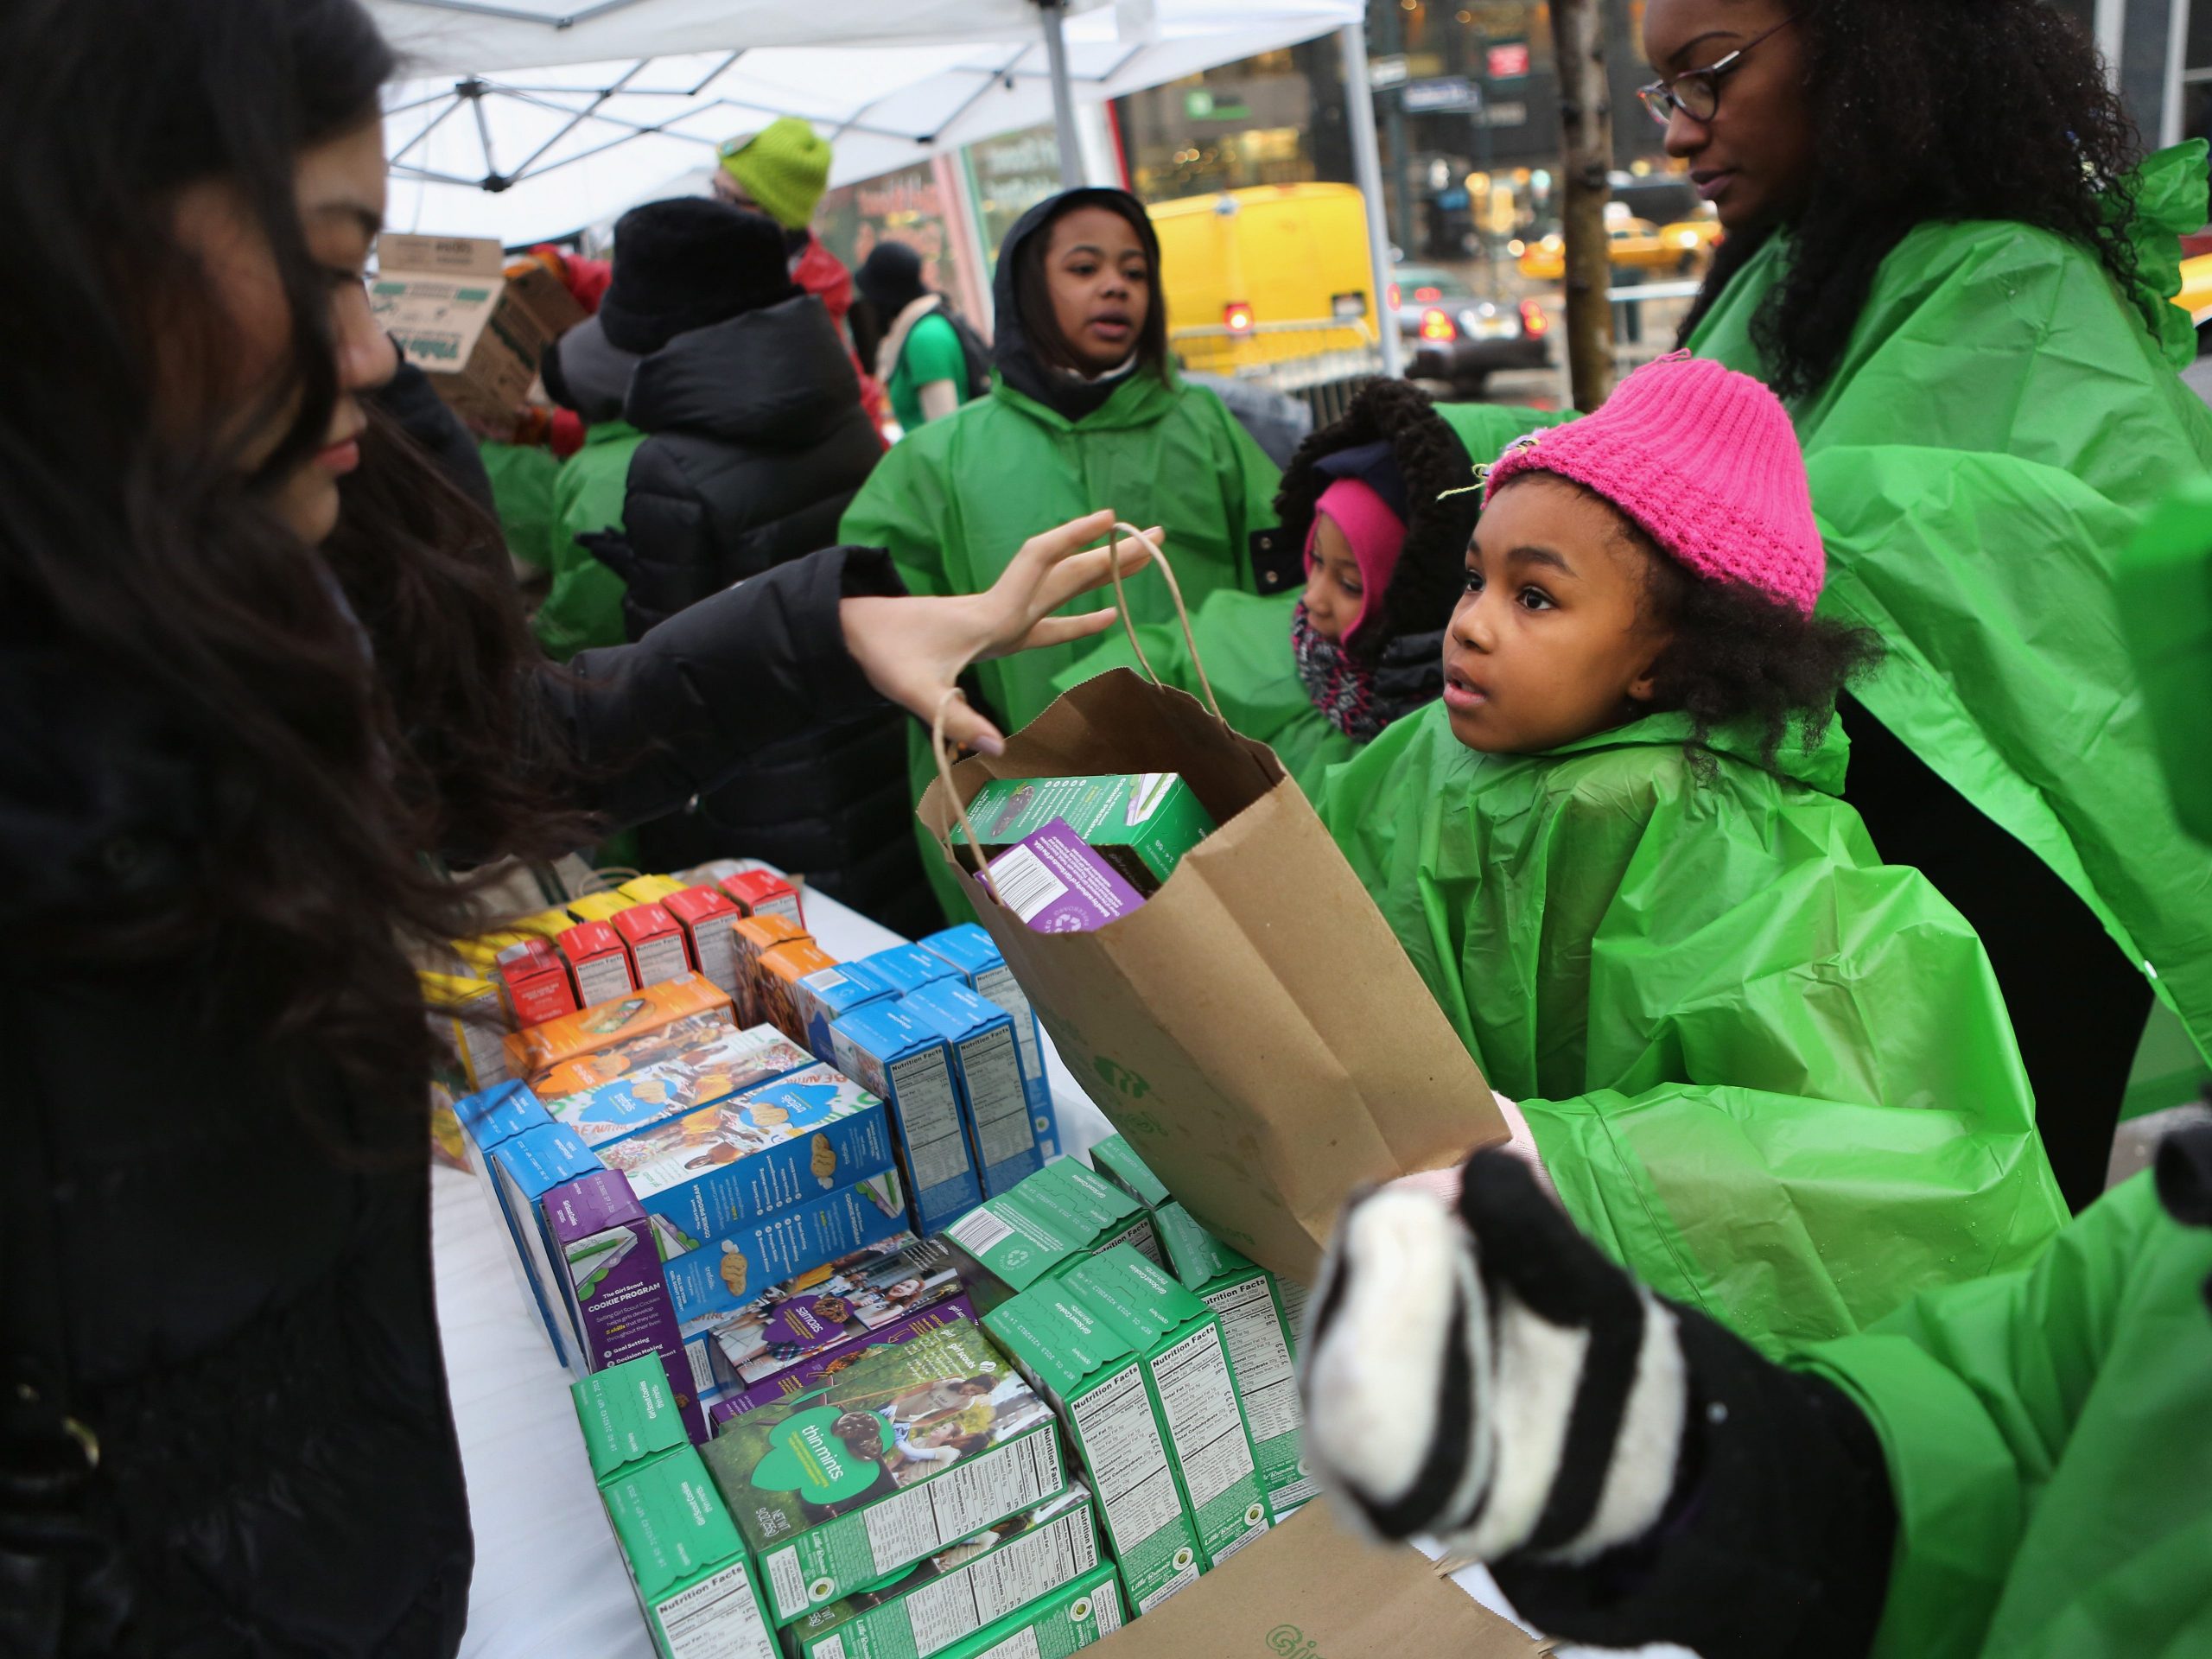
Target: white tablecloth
549,1579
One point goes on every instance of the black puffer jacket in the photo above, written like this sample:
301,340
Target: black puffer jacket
218,1263
756,443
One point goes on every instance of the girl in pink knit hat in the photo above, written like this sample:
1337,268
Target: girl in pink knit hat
1772,1074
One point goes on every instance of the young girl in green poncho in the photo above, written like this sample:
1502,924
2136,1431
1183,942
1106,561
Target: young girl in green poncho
1765,1070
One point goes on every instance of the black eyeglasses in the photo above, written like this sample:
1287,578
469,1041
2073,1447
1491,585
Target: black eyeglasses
1696,92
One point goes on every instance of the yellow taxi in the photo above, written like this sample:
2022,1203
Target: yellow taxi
1636,245
2195,293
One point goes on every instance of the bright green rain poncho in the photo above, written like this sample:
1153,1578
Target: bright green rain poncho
1771,1075
1999,424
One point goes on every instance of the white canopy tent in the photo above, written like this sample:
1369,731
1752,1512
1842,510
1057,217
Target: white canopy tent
539,140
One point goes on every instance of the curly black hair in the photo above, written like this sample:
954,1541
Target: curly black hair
1934,110
1736,657
1431,460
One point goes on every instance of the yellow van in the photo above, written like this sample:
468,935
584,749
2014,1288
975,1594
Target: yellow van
1262,275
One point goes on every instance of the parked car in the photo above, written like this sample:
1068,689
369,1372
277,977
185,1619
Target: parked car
1636,244
1458,336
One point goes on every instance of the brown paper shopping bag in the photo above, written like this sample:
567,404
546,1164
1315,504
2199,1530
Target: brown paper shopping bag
1255,1029
1309,1590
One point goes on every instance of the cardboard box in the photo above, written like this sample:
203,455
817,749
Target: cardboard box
950,1595
524,1168
598,964
534,983
1258,1336
600,906
1051,1627
1010,1247
749,936
1141,824
480,955
1095,1380
687,1561
476,331
466,1014
705,915
811,1371
775,983
763,892
491,1117
629,1417
829,994
727,1167
900,1456
1087,1198
1179,1339
1117,1160
911,1067
969,948
987,1066
719,1279
609,1263
651,889
655,943
632,1032
724,1061
907,968
825,1311
1055,883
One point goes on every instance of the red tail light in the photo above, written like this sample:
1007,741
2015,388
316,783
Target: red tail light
1238,317
1533,320
1427,295
1394,296
1436,325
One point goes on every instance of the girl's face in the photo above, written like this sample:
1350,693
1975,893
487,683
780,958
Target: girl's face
1550,642
340,188
1754,160
1101,284
1333,591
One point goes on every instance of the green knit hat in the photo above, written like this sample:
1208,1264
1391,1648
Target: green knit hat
785,167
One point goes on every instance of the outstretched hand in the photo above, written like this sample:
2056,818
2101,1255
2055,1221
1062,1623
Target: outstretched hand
914,648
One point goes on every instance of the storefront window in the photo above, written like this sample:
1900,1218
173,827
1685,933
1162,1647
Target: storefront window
1266,120
1006,177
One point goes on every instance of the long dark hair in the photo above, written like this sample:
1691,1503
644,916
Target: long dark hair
1934,110
328,702
1033,292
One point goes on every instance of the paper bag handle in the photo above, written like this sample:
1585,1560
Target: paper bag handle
1182,615
942,753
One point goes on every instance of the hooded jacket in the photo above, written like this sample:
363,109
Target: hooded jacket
222,1258
584,607
1768,1074
955,500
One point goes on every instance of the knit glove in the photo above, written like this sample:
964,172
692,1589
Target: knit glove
1482,1373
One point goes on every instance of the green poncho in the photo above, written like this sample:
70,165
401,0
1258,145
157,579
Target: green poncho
955,500
1768,1074
2049,1435
522,491
584,606
2000,422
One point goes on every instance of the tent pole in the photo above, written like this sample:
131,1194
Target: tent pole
1367,167
1056,52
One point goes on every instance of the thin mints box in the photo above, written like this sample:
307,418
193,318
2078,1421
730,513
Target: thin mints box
1141,824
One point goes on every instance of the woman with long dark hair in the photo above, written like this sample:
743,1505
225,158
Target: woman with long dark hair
1946,254
1086,409
259,659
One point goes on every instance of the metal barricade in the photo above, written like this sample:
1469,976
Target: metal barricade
1321,362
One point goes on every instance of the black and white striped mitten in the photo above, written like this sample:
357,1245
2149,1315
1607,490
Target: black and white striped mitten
1484,1375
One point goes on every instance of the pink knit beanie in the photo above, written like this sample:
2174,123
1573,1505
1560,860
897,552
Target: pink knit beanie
1376,535
1705,462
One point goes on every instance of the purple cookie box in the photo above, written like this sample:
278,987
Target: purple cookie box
1091,893
809,1371
621,1310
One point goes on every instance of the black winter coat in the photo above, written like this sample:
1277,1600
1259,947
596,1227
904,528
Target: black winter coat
219,1264
756,443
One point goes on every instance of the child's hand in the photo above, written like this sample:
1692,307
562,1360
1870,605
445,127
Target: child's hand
1481,1372
913,649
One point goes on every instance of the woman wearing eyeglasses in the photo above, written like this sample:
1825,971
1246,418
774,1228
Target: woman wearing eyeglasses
1943,255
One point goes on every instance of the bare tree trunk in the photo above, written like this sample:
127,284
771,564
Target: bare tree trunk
1585,122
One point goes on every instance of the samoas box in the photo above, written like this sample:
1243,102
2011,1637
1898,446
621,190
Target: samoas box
909,1064
723,1168
1177,1338
960,1591
987,1063
1258,1333
969,948
899,1457
1095,1381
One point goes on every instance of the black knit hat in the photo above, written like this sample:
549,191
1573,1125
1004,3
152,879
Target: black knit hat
688,263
